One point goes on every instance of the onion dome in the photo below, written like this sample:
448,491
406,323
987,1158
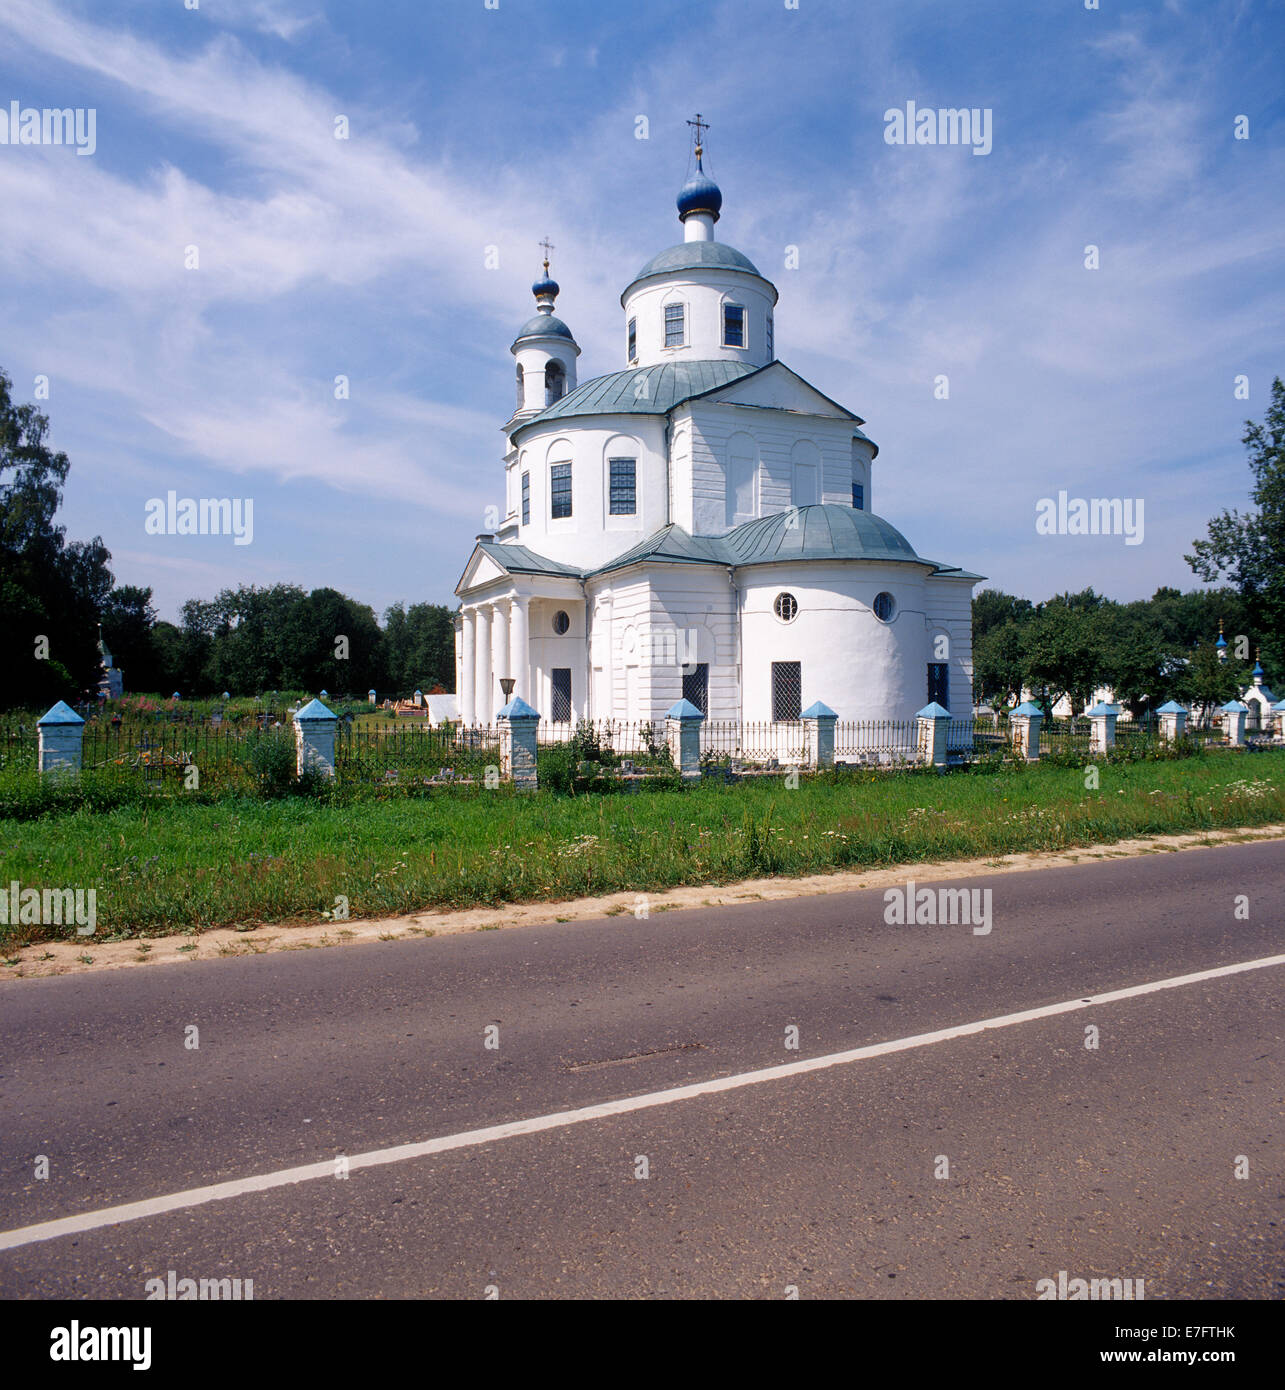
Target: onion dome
699,194
544,324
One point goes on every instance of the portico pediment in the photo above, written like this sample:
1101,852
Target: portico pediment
492,561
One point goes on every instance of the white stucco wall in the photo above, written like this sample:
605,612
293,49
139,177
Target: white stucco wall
714,440
861,667
703,292
591,535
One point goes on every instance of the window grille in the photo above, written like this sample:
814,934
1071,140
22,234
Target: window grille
787,690
696,686
939,683
560,712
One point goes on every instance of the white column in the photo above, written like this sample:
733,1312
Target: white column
468,672
500,646
519,648
485,706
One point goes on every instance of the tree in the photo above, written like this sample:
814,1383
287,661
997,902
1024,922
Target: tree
129,622
420,646
999,664
1250,547
1063,649
992,608
332,642
50,590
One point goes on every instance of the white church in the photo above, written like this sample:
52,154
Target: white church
698,525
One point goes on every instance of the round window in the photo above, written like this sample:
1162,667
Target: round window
786,607
885,607
561,622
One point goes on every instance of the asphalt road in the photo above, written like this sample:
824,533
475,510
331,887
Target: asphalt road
969,1166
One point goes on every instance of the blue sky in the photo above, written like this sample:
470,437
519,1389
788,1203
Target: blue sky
473,127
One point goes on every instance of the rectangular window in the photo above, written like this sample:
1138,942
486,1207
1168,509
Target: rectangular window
674,325
859,496
560,489
787,690
624,486
939,683
771,339
696,686
733,325
526,499
560,713
633,340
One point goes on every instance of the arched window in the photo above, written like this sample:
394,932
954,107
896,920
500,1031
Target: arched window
555,382
519,386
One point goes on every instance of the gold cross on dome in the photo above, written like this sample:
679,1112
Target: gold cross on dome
699,127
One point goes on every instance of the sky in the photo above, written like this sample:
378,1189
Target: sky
401,258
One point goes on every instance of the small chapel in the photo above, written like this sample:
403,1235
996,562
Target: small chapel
698,525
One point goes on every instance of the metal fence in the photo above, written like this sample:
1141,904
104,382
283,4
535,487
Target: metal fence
876,742
249,753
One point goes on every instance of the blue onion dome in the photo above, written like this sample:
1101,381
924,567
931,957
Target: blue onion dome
1258,668
1221,642
546,285
700,194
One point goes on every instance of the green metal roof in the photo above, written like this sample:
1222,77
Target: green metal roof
517,559
642,390
825,531
694,255
673,545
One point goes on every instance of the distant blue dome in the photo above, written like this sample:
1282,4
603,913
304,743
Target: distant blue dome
545,286
700,194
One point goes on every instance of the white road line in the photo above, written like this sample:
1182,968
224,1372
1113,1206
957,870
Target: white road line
376,1158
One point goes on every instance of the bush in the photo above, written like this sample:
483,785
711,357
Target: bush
24,795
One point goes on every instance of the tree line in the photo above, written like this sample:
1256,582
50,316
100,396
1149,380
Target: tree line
249,640
1147,652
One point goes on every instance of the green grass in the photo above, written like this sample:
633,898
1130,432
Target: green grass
174,865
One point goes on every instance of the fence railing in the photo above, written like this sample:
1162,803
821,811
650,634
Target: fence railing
249,753
876,741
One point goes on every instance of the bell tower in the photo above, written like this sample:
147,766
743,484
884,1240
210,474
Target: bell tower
545,349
